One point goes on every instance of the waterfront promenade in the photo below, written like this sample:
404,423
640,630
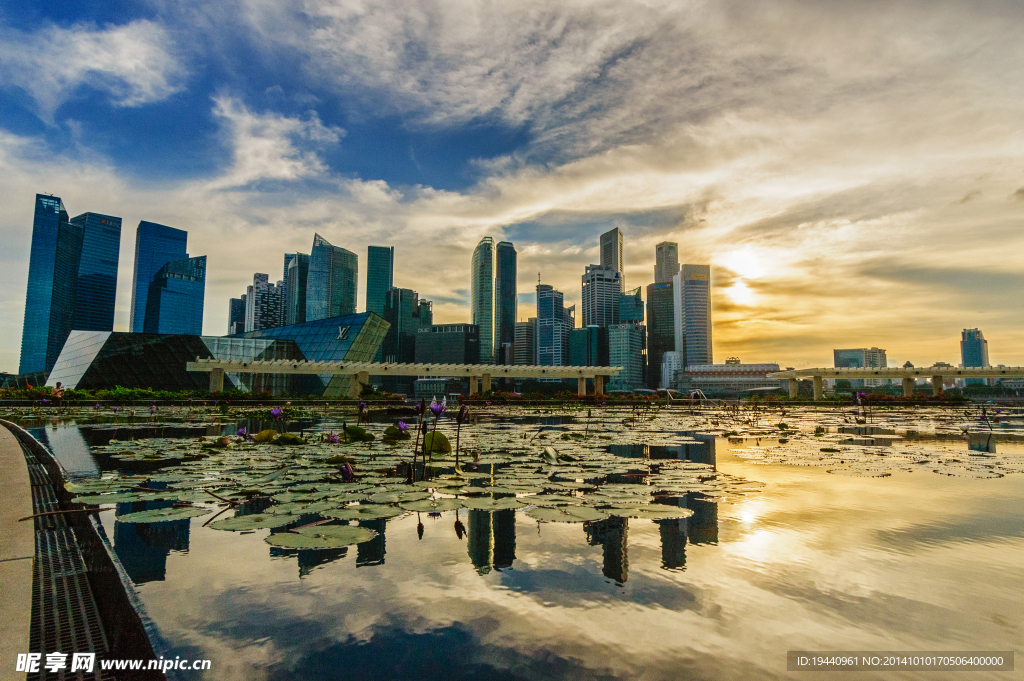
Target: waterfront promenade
17,553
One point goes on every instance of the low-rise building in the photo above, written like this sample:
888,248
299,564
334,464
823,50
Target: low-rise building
732,378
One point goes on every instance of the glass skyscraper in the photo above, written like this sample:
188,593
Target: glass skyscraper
236,315
155,246
611,253
666,261
974,353
175,298
294,296
52,283
552,333
481,288
627,348
380,276
631,307
661,328
692,314
601,289
332,281
97,272
504,302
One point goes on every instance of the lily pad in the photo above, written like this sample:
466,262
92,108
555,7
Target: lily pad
368,512
566,514
659,512
489,504
344,533
432,505
159,515
253,521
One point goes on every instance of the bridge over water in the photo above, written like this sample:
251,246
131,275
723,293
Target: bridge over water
908,375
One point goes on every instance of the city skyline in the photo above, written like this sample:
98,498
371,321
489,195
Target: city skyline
826,176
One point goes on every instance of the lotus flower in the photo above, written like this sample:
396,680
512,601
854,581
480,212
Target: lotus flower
115,409
346,472
403,426
333,438
276,413
96,406
241,432
152,409
420,408
460,418
438,407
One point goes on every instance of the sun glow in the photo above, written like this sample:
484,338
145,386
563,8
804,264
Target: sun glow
741,294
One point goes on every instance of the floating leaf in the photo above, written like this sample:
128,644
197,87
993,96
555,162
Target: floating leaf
437,443
659,512
265,435
343,533
369,512
566,514
432,505
252,522
292,540
158,515
489,504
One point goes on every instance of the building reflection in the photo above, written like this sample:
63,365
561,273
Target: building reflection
309,559
70,449
673,543
611,533
492,540
143,547
372,552
703,524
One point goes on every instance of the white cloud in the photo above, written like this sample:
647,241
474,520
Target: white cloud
133,63
269,146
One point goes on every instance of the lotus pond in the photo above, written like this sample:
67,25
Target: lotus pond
558,544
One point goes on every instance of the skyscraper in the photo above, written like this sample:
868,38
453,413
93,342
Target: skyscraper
175,298
380,276
294,296
155,246
236,315
52,284
627,348
588,347
859,358
406,314
504,302
666,262
602,286
283,284
481,288
526,342
263,304
661,329
97,272
331,284
692,314
974,352
611,253
552,329
631,307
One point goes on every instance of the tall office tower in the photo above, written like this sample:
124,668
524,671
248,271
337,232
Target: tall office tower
407,314
288,258
236,315
53,268
661,328
263,304
666,261
481,287
175,298
332,281
97,273
692,314
601,289
859,358
380,276
504,302
526,342
588,347
552,328
974,353
611,253
294,295
448,344
631,307
155,246
627,348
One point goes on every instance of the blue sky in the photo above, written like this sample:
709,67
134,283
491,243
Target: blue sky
848,168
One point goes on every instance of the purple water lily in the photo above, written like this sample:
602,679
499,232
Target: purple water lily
115,410
333,438
346,472
276,413
242,432
460,418
403,426
152,409
438,408
96,406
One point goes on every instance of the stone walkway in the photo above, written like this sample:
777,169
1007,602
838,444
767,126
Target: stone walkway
17,554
